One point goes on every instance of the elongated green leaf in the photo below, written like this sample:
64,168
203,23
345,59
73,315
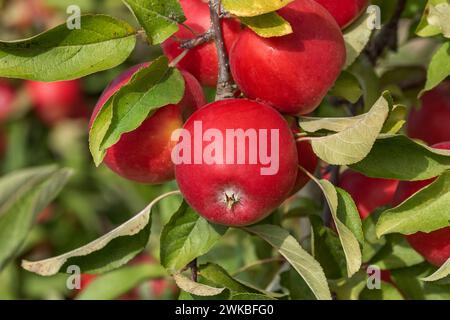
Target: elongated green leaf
349,241
108,252
410,283
268,25
219,276
186,237
195,288
28,192
441,273
435,19
398,157
397,253
439,67
354,143
327,249
348,214
251,8
357,36
311,124
149,89
250,296
118,282
101,43
426,211
348,87
396,120
309,269
159,18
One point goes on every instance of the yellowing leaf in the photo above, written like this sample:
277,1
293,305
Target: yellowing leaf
251,8
268,25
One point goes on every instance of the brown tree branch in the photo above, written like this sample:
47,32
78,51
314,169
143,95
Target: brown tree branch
194,270
387,37
199,40
225,84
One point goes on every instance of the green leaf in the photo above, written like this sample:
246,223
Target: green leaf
103,42
327,250
396,120
357,37
425,211
24,194
397,253
309,269
349,289
336,124
298,288
268,25
441,273
195,288
398,157
408,281
439,67
250,296
386,292
186,237
348,214
349,241
108,252
347,86
219,276
372,244
113,284
354,143
149,89
251,8
159,18
435,19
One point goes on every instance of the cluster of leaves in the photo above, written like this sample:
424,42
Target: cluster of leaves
324,261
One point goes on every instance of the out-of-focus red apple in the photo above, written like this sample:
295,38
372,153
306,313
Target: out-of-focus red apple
7,97
431,122
344,11
57,101
368,193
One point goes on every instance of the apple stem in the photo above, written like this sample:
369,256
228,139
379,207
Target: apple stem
388,35
225,85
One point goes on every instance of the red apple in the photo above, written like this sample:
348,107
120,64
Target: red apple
144,155
56,101
7,96
368,193
293,73
430,123
344,11
200,61
433,246
227,176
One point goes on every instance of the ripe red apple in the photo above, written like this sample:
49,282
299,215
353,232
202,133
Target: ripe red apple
293,73
144,155
430,123
245,165
368,193
306,159
7,96
344,11
200,61
56,101
433,246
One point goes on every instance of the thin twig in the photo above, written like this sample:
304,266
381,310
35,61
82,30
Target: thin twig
194,270
225,84
387,37
199,40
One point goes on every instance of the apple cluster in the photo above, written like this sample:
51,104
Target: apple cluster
279,78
